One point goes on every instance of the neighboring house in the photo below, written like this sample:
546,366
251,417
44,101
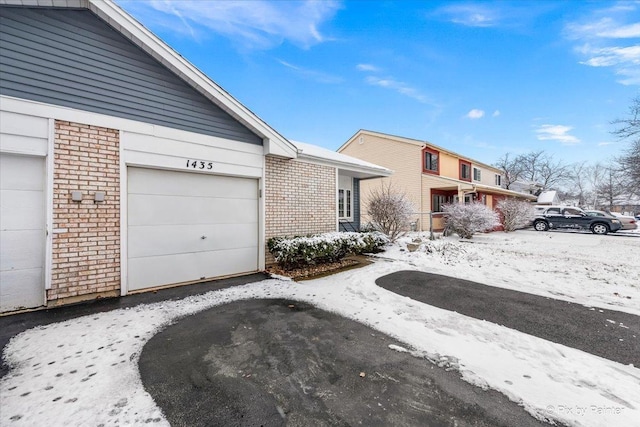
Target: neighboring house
625,204
549,198
124,168
529,187
431,176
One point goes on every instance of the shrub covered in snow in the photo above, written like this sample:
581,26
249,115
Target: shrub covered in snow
467,219
295,252
515,213
390,211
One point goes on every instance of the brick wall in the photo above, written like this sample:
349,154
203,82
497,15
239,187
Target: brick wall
300,198
86,240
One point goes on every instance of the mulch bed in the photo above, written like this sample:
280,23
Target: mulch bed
321,270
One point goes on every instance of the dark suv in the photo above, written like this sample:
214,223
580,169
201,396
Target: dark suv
574,218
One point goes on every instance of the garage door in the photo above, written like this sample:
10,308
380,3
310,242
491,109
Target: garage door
186,227
22,231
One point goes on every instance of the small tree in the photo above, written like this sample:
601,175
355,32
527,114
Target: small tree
390,210
515,213
467,219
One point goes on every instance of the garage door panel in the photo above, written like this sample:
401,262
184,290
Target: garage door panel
152,181
21,172
21,289
21,249
171,269
187,238
177,210
21,209
22,237
169,212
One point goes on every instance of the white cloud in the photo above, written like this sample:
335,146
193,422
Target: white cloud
609,38
255,24
604,144
607,57
367,67
398,86
318,76
475,114
471,15
496,113
605,27
558,133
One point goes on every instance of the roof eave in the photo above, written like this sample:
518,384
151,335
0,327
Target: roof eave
369,172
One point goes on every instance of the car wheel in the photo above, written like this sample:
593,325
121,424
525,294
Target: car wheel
540,226
599,229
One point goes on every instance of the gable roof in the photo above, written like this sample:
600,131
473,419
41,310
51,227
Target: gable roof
359,168
415,142
274,143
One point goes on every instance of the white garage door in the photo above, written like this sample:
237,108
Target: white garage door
22,231
186,227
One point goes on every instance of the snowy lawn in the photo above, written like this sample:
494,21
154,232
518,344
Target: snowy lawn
84,371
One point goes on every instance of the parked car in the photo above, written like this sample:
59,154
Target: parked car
628,222
569,217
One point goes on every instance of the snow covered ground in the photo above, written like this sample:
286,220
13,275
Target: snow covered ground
84,371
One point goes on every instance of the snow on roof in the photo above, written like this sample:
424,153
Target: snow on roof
342,161
547,196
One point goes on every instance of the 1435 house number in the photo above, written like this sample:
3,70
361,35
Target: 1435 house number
199,164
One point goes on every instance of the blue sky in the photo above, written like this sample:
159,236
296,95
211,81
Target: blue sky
478,78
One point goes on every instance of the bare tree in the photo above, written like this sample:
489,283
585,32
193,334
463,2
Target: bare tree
629,162
390,210
540,167
629,127
511,169
578,180
610,187
595,175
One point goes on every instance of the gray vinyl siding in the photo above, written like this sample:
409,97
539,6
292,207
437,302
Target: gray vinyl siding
355,224
74,59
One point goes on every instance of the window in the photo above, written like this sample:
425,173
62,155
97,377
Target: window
345,198
465,170
437,200
476,174
499,180
431,158
344,203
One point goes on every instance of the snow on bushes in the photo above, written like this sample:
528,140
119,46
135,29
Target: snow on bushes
467,219
296,252
390,211
515,213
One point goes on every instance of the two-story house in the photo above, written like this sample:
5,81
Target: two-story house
429,175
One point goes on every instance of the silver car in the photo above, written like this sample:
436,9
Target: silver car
628,222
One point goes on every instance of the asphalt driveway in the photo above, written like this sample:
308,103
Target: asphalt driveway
610,334
276,362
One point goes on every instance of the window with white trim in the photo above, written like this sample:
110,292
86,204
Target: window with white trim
477,174
499,180
345,198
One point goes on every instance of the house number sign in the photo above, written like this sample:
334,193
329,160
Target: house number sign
199,164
